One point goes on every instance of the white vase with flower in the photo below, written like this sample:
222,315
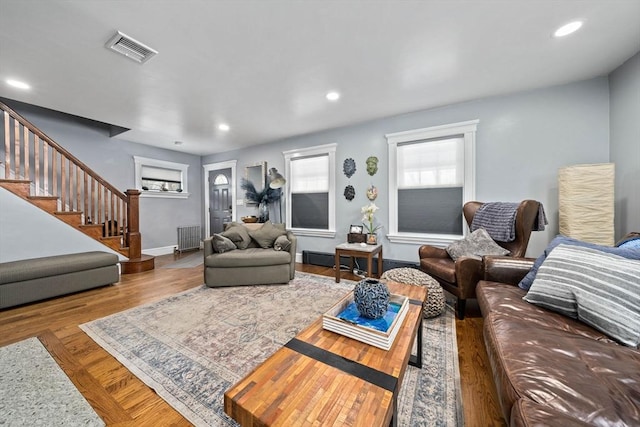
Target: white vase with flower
368,212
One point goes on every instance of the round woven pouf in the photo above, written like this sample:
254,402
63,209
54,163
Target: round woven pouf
434,305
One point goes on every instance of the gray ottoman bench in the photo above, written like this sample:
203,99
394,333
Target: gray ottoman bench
35,279
435,303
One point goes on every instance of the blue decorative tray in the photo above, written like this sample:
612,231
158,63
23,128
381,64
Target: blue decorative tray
351,315
343,318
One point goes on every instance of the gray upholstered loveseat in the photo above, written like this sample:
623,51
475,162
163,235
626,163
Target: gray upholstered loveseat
259,254
35,279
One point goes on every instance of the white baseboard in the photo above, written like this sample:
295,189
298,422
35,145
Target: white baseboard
299,257
164,250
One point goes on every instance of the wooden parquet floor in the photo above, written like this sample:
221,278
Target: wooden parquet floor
121,399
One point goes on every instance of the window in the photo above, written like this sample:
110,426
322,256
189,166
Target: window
434,175
220,179
159,178
310,193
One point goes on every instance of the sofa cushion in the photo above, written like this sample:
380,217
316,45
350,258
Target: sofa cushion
525,283
251,257
238,234
282,243
18,271
600,289
507,300
476,244
266,235
526,413
573,374
222,244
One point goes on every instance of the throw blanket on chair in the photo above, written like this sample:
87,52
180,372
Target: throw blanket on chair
499,219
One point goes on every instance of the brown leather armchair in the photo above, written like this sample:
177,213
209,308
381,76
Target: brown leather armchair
460,277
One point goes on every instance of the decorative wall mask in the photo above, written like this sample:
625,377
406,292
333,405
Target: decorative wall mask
349,192
372,193
349,167
372,165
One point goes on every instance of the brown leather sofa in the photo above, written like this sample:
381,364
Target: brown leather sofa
551,370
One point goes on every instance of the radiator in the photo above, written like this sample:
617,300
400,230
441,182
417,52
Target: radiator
188,238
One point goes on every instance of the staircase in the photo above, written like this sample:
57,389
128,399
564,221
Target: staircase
42,172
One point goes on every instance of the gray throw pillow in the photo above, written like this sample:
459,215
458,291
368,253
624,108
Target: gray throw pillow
595,287
222,244
282,243
627,252
239,235
266,235
475,245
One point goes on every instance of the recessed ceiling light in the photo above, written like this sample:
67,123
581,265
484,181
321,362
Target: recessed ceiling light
567,29
18,84
224,127
333,96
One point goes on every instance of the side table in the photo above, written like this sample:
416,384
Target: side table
356,250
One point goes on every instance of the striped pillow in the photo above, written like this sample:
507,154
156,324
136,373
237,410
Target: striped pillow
598,288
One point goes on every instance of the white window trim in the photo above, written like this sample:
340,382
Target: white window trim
205,185
327,149
468,130
145,161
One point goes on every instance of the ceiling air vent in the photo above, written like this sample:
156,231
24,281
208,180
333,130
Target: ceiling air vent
130,48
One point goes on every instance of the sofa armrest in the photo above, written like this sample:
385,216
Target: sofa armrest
292,250
428,251
506,269
468,274
208,246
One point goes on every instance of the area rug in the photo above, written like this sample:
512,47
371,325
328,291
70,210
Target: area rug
189,261
35,391
191,347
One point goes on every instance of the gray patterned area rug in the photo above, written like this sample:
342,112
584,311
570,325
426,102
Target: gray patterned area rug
35,391
191,347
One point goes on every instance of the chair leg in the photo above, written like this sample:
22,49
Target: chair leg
462,304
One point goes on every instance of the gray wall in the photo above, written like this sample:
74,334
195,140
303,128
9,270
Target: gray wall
32,233
624,84
522,140
112,158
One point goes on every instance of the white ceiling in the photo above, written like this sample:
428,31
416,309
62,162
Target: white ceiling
264,66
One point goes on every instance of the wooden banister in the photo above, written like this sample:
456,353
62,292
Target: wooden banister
31,155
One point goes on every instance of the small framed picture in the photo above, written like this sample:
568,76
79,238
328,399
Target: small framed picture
356,229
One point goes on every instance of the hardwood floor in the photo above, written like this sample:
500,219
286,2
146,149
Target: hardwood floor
123,400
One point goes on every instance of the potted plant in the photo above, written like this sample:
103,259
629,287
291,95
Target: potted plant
368,212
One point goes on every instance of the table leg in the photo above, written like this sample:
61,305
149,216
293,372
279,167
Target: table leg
416,360
394,417
370,265
380,262
337,266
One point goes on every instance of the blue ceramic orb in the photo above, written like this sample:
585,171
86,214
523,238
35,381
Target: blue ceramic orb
372,298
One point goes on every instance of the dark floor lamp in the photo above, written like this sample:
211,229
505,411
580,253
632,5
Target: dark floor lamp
276,182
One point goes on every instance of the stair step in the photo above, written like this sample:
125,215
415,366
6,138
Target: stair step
92,230
114,242
138,265
74,219
19,187
47,203
124,251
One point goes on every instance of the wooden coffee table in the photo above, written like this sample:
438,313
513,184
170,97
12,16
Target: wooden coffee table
324,378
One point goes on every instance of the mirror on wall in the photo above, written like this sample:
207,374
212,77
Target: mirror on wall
257,174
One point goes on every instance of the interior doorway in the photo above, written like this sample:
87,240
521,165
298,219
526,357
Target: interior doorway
219,193
220,203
